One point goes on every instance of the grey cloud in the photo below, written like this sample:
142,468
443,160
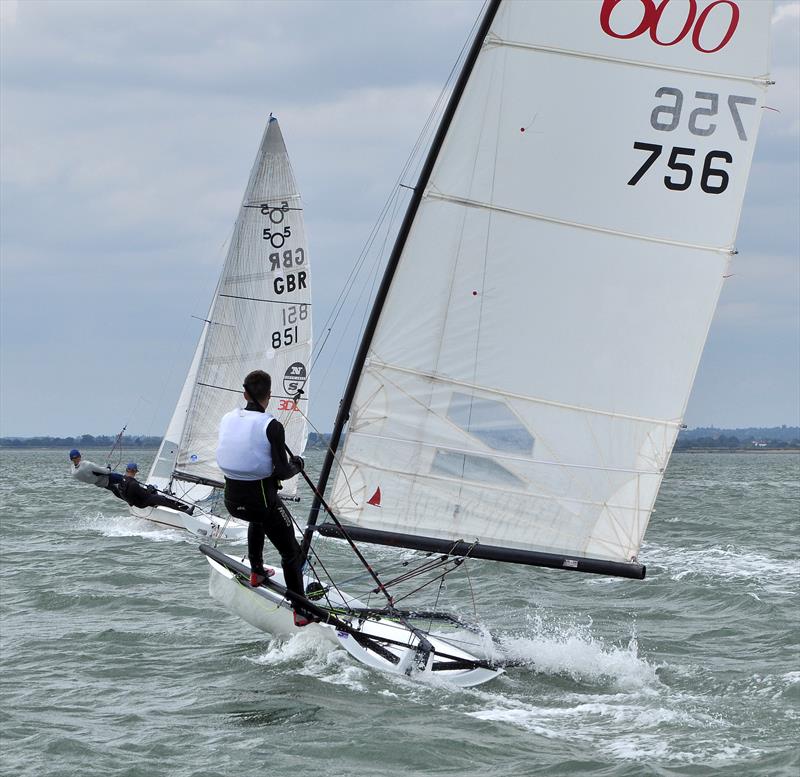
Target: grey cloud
128,133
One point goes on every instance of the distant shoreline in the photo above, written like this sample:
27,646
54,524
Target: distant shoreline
736,450
127,452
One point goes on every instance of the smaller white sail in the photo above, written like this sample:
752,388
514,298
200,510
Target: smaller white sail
260,318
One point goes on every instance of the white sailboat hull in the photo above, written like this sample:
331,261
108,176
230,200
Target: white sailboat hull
206,526
271,613
266,610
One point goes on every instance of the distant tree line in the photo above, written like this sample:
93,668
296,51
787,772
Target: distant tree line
753,438
102,441
775,438
319,441
105,441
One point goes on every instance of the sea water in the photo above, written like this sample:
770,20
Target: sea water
115,661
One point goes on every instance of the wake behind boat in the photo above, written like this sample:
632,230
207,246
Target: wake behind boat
260,315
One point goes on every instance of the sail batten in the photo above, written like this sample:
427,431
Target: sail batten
551,290
505,458
439,378
436,195
760,80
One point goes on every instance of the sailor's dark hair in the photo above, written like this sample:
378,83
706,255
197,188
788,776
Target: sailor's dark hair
258,385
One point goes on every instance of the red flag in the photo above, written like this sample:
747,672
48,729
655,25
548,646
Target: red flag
375,499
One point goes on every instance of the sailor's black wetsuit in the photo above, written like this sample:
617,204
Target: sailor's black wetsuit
136,495
257,502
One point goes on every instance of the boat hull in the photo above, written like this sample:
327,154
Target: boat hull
264,609
205,525
267,610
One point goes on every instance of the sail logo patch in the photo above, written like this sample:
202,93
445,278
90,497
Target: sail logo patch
375,499
716,14
294,379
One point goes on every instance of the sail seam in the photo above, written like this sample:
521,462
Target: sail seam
259,299
265,200
550,402
501,457
530,495
493,40
436,195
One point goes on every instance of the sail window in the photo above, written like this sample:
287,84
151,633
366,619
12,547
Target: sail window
480,469
490,421
166,460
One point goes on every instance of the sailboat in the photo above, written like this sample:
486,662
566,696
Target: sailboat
260,317
527,363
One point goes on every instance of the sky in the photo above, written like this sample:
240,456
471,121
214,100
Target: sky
128,130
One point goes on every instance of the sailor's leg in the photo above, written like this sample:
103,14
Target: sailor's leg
255,545
281,535
159,500
113,487
245,500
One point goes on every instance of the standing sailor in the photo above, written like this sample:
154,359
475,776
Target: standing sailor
252,454
89,472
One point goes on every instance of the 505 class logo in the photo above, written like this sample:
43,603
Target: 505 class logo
719,12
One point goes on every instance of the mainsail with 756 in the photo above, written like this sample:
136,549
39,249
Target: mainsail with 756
525,369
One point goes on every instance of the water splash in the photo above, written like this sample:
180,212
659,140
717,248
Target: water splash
129,526
312,655
572,650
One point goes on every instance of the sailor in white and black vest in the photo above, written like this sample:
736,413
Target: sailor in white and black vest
251,452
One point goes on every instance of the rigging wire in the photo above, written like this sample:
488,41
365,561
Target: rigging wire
117,441
414,161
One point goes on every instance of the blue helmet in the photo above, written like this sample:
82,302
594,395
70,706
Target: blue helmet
74,453
133,466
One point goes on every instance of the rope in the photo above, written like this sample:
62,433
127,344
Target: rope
113,447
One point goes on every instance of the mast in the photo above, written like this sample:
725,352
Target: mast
343,413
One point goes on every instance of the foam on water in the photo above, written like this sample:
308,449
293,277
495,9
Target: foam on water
723,563
573,651
310,654
130,526
626,726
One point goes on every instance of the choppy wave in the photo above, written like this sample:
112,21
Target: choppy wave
724,563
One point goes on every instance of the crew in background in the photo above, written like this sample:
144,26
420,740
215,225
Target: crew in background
137,495
252,454
95,475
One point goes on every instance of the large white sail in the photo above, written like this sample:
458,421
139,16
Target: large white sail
533,359
260,318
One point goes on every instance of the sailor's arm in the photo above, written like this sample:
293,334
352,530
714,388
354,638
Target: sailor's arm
285,468
86,469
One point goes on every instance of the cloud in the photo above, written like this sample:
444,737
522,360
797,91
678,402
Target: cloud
129,129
